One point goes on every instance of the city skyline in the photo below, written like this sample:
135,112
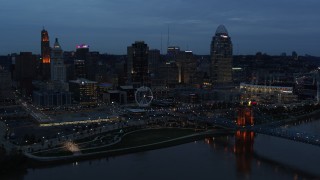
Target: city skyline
109,27
156,89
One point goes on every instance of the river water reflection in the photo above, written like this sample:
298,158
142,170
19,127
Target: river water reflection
243,156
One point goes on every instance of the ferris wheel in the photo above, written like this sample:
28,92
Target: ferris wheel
143,96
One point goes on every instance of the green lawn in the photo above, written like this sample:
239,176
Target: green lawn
138,138
145,137
153,136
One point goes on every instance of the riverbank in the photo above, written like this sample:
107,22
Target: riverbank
296,119
126,148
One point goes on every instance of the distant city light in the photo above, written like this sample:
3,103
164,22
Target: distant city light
237,68
82,46
173,48
79,122
287,91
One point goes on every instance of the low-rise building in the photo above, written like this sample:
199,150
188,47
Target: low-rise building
51,98
115,96
84,91
267,94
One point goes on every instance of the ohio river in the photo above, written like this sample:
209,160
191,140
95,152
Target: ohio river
271,158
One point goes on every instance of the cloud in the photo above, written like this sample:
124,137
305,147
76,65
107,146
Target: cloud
114,23
235,19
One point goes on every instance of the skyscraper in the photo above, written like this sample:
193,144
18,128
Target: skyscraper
221,57
58,69
153,61
25,71
25,66
187,65
79,69
172,53
84,91
45,54
91,65
137,65
82,51
80,63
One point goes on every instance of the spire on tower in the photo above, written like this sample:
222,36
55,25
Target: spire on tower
56,44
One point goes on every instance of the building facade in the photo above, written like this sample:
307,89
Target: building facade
168,76
172,53
187,66
5,86
267,94
153,61
45,55
221,57
84,91
58,69
82,51
79,69
51,98
137,64
25,69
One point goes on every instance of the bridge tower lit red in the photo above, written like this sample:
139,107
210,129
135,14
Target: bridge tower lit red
245,116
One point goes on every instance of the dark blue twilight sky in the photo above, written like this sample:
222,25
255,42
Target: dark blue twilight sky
109,26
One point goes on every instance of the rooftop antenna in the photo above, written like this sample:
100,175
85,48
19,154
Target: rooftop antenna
161,44
238,49
168,41
167,83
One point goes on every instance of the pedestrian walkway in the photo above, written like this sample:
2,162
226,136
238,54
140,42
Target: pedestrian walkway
212,132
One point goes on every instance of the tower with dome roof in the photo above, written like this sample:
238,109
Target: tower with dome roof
58,69
221,57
